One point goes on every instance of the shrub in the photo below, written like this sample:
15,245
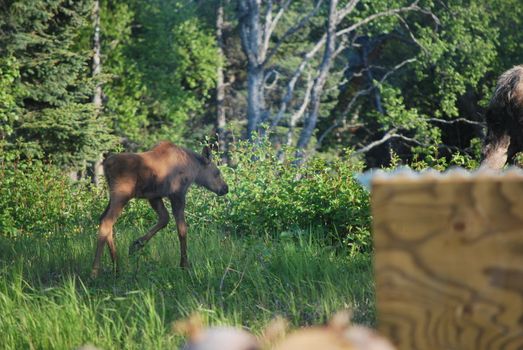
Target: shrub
40,200
268,195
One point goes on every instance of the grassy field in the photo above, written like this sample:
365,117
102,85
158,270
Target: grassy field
48,301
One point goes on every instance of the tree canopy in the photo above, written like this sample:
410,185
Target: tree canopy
395,78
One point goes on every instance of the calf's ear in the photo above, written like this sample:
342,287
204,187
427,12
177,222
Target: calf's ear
206,152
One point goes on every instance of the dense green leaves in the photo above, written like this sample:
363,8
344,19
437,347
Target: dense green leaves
50,80
158,68
38,200
267,197
8,93
273,197
161,60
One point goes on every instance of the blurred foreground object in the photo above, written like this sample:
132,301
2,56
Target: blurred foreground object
338,334
449,259
214,338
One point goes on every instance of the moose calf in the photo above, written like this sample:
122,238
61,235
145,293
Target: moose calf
165,171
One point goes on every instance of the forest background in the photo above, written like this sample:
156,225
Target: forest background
384,78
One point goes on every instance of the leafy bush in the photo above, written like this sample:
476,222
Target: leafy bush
39,199
429,157
268,195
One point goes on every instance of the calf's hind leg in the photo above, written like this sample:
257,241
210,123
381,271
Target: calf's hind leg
105,232
163,220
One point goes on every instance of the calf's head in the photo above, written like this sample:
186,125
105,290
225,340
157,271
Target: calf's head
210,176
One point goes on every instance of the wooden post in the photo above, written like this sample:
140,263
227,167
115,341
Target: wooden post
449,261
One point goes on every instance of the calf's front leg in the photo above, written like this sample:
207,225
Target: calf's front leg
178,207
496,152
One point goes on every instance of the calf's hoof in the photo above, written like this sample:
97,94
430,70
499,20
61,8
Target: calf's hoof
136,246
94,273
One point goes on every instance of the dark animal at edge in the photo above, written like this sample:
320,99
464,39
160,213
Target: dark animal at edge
504,118
165,171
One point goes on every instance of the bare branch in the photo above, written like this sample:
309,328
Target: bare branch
389,135
266,31
411,34
272,72
342,45
346,10
396,67
325,133
289,94
319,44
359,94
292,30
319,82
278,16
372,87
409,139
435,18
299,113
457,120
376,143
355,98
332,127
412,7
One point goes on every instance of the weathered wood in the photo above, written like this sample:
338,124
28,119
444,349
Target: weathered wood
449,261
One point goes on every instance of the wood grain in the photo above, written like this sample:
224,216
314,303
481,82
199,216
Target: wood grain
449,262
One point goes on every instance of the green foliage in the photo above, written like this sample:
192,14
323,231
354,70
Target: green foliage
8,92
399,117
452,47
269,196
504,17
38,200
458,55
47,238
161,73
51,83
429,157
124,89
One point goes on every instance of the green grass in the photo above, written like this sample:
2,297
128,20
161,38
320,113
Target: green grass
48,301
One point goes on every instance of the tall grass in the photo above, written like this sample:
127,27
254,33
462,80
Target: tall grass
290,241
48,301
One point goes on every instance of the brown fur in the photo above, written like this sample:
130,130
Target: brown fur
504,118
165,171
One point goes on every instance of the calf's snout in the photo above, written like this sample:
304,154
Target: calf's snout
224,190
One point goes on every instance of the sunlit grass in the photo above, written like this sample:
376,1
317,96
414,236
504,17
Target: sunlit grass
47,299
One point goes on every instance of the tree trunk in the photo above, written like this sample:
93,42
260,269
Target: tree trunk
220,85
319,83
97,65
97,98
255,100
252,40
